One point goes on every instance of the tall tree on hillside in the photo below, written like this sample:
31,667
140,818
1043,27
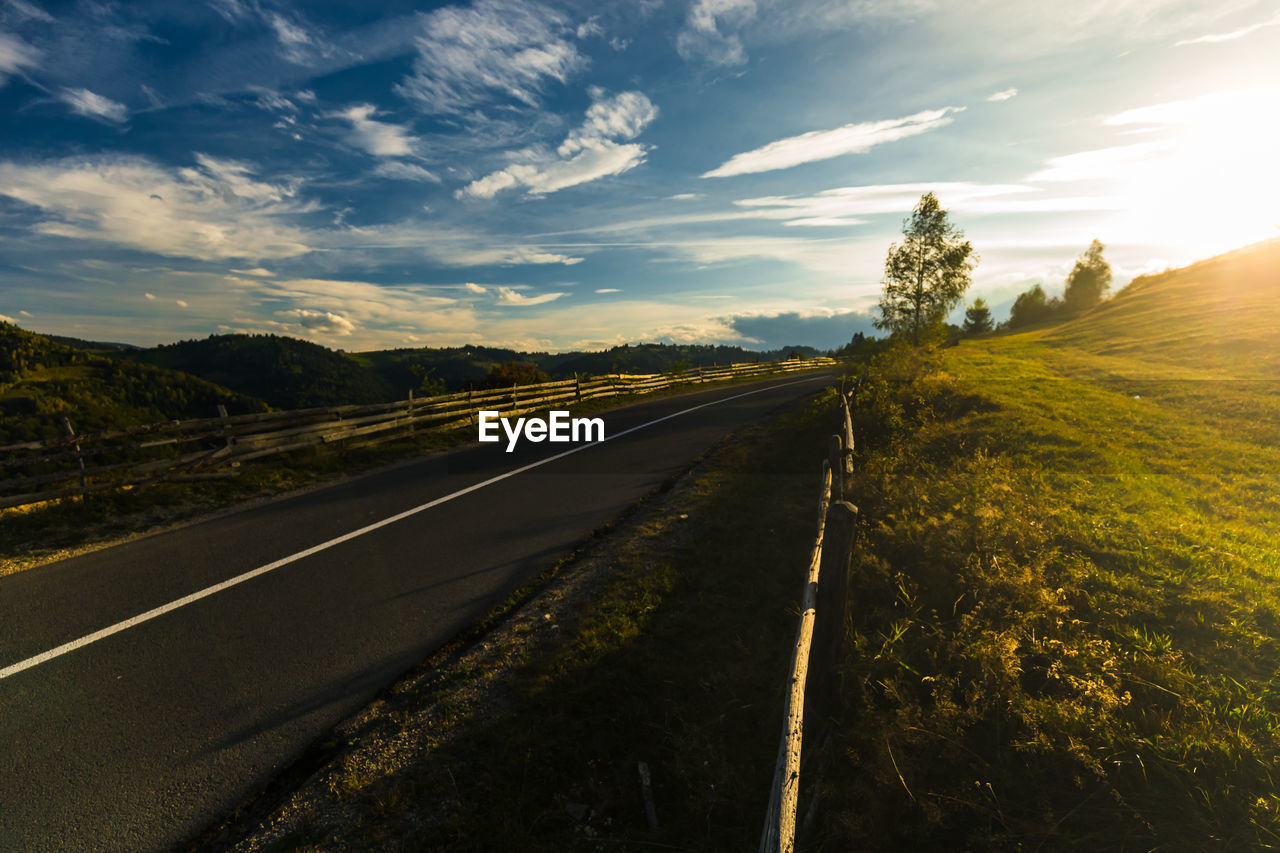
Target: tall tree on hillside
925,275
1089,280
977,317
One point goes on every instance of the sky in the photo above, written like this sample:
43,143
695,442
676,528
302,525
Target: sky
573,175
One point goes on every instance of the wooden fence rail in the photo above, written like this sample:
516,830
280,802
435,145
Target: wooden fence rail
199,448
818,639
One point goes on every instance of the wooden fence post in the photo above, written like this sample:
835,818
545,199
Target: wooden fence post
71,433
835,458
830,622
577,387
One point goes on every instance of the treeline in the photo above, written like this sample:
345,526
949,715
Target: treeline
1087,284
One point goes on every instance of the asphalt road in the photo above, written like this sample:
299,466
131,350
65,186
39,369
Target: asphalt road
138,739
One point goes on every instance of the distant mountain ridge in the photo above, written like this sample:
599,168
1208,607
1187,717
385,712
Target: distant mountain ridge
289,373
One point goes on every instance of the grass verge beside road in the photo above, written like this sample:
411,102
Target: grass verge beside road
1067,624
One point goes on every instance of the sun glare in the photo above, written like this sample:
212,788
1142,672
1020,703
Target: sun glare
1212,180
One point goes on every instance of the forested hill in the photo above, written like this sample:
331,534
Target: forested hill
42,381
285,372
458,366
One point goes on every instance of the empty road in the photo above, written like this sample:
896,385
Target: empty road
147,688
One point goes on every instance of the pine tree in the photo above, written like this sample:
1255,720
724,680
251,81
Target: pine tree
977,317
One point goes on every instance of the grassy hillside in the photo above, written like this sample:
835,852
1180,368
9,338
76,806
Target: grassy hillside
41,381
1067,618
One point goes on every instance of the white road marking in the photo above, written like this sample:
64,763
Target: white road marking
66,648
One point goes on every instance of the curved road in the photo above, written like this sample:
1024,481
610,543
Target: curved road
146,689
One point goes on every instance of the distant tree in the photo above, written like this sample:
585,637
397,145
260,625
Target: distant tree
515,373
925,275
1032,306
1089,280
977,318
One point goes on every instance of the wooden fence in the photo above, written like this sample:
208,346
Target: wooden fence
35,471
811,677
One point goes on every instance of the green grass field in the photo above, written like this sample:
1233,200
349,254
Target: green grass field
1069,626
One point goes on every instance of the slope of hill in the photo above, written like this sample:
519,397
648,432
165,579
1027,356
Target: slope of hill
286,372
1217,315
42,381
1067,629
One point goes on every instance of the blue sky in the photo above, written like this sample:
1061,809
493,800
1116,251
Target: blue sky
561,175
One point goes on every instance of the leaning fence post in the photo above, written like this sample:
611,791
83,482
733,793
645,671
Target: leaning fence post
71,433
835,458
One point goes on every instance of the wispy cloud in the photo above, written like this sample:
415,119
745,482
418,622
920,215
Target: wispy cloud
93,105
213,212
510,296
607,290
1004,95
401,171
708,34
1099,164
825,144
590,151
379,138
493,50
15,54
1215,38
299,42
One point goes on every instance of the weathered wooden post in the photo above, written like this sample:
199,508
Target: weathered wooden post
835,458
409,411
830,623
71,433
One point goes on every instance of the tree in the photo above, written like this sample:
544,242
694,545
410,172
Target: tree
1089,280
977,318
925,275
1033,307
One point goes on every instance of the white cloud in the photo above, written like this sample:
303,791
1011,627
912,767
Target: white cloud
703,38
1215,38
4,318
509,296
1099,164
472,287
381,139
825,144
590,27
607,290
150,296
450,246
214,212
494,49
401,171
298,43
181,303
323,322
590,151
93,105
684,196
1003,95
256,271
15,54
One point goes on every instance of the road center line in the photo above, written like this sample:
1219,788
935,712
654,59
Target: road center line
66,648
